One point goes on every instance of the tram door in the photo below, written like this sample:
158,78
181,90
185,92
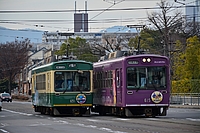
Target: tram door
118,79
48,92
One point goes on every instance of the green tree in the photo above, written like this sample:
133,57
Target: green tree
186,66
150,39
4,85
77,47
192,55
62,50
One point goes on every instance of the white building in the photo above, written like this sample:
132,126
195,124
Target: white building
192,12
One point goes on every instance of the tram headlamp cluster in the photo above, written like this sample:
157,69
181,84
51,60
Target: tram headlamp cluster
146,60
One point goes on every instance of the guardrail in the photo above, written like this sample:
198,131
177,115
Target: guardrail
185,98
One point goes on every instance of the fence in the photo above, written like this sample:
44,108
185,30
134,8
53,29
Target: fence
185,98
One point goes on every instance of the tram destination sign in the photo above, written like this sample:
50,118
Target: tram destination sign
72,65
133,62
60,67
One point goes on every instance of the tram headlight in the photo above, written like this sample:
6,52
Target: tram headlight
148,60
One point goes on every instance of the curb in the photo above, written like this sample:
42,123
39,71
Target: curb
185,106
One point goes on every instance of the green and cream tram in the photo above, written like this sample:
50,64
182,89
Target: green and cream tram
63,87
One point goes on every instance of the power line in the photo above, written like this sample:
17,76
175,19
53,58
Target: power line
55,21
94,10
71,21
113,4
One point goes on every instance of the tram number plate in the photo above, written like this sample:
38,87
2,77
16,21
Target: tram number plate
147,100
72,101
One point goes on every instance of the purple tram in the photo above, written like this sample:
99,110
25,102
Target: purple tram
132,85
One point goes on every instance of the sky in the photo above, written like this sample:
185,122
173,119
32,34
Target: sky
62,19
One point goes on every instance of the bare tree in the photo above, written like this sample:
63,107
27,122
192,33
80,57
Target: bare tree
101,48
109,43
191,28
166,23
13,58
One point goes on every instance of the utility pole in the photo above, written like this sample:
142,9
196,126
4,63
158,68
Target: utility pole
194,21
68,48
138,28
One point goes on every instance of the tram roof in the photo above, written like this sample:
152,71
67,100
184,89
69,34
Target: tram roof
127,57
60,62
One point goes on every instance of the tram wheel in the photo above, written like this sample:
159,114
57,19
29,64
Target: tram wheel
122,114
51,111
102,112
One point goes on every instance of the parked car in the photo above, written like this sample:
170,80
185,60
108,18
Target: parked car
0,105
6,97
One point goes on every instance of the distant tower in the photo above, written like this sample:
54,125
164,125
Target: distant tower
81,20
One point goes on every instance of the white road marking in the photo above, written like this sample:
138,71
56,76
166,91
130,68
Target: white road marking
153,119
39,124
4,131
61,121
92,120
191,119
18,112
106,129
103,121
122,119
89,126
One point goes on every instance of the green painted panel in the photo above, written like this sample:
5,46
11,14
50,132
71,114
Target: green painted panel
66,99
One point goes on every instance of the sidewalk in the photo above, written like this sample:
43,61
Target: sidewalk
184,106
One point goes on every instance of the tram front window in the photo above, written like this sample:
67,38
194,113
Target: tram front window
72,81
136,77
156,77
146,78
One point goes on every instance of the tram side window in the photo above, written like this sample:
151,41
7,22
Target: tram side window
132,75
59,81
106,80
40,82
110,79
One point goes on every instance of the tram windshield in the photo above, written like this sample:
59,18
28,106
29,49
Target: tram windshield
146,78
72,81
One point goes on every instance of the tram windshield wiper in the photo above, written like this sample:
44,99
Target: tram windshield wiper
138,88
143,82
65,90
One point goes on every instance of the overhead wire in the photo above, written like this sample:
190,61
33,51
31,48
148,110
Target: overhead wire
91,20
94,10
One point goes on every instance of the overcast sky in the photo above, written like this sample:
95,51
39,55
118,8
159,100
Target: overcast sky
63,19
